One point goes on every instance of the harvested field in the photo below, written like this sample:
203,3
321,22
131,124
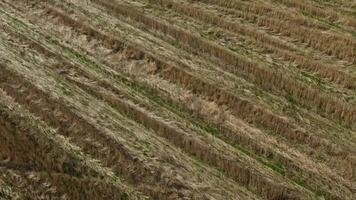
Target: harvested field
178,99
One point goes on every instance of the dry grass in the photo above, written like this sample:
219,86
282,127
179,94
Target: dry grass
100,114
272,80
340,46
269,43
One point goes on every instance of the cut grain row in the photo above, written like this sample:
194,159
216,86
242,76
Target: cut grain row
96,143
47,185
271,80
109,93
253,180
308,140
257,8
261,39
323,13
247,118
340,46
117,102
135,170
110,98
31,145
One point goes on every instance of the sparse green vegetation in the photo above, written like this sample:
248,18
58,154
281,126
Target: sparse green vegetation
177,99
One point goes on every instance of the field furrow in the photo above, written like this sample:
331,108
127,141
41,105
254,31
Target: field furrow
197,148
177,99
272,80
342,46
270,124
23,133
261,40
156,192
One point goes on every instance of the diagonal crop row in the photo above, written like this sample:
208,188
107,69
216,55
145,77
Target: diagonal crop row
243,175
24,186
215,93
110,152
124,110
339,46
97,92
323,13
53,118
242,107
35,154
26,138
106,86
329,150
273,80
72,124
264,9
39,185
262,39
136,58
122,50
269,9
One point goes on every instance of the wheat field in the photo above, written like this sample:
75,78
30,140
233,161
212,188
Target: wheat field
178,99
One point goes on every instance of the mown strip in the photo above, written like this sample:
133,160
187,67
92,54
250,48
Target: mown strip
261,39
253,179
37,145
107,87
340,46
271,80
315,144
